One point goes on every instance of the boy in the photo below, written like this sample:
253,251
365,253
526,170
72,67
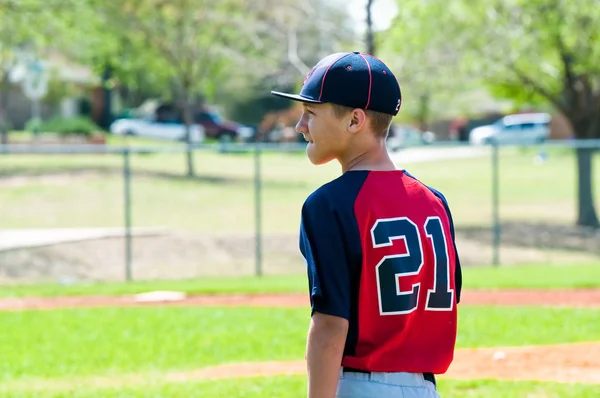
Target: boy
383,269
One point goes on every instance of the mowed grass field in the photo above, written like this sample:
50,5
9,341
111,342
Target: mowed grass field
133,352
138,352
537,276
87,190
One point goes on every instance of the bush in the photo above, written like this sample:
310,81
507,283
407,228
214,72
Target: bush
79,125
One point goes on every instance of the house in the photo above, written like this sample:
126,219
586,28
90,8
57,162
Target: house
68,84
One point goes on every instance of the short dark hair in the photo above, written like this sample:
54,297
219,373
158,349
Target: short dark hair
380,122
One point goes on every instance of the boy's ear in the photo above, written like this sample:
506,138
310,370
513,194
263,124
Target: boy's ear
358,119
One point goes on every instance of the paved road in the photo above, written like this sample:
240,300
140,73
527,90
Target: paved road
432,154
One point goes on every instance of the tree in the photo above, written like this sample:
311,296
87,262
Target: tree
421,61
294,36
192,42
31,29
370,35
538,50
304,32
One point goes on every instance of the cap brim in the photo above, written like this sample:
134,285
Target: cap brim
296,97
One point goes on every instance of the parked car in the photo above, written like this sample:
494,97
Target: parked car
403,136
524,128
215,126
166,122
152,127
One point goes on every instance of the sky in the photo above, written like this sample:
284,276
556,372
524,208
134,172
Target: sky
383,12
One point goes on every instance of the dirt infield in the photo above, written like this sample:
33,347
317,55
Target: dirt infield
557,298
566,363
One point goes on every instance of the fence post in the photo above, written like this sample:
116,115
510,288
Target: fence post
127,211
258,208
495,205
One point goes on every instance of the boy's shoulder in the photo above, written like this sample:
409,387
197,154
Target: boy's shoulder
338,191
440,196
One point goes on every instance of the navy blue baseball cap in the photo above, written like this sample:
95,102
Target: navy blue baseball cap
351,79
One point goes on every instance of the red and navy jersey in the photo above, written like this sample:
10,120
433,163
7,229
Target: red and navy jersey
381,253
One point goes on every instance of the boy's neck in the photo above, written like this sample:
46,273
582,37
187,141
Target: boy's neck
376,158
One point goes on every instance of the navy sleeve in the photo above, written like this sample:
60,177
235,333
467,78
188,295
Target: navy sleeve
322,245
458,270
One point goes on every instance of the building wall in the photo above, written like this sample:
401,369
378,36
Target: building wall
18,108
560,127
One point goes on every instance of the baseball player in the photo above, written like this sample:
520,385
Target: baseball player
383,269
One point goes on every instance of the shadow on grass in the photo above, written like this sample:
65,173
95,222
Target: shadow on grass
107,170
539,235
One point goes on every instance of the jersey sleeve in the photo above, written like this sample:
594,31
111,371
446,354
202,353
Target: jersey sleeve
322,245
458,270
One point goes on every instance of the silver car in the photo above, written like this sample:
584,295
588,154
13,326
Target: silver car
524,128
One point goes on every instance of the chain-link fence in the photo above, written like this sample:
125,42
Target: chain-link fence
60,214
113,213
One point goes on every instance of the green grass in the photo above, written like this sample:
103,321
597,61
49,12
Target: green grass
120,341
87,190
517,277
502,326
129,351
271,387
212,285
295,387
533,276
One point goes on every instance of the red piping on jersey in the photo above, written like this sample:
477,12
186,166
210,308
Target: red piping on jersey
325,74
370,81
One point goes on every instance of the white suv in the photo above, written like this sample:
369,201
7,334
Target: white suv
525,128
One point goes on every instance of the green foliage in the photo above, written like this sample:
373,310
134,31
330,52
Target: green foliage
518,49
519,95
168,50
190,44
251,108
79,125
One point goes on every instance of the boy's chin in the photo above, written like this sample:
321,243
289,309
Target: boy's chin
316,158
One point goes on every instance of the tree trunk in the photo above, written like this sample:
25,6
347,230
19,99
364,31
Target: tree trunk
188,120
107,90
3,121
3,129
423,116
586,211
370,35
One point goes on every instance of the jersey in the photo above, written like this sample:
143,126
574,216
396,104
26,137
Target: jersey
380,252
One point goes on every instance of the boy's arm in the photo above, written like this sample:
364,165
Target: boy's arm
325,347
322,243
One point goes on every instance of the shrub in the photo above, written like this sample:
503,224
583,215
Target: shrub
79,125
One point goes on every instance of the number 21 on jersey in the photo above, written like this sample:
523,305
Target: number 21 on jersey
392,268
